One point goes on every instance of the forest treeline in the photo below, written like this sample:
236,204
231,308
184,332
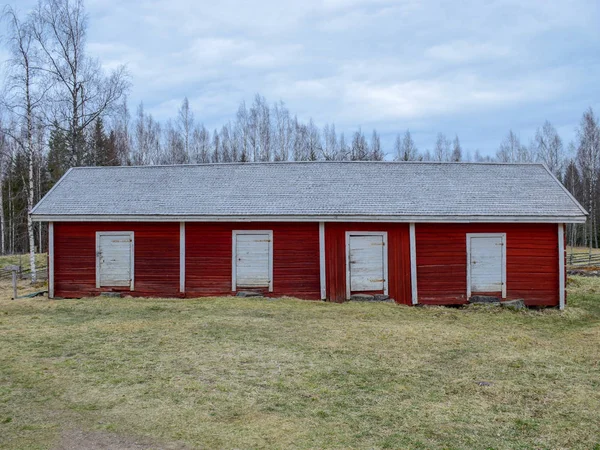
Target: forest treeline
61,110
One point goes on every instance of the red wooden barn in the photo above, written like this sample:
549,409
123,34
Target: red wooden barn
422,233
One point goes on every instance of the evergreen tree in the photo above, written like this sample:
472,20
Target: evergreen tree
111,150
58,154
97,154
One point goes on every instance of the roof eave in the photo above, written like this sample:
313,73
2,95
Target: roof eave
311,218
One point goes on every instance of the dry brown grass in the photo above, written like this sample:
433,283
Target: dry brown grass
246,373
582,250
23,260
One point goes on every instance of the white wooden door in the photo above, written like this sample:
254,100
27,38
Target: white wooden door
252,265
114,254
486,261
366,261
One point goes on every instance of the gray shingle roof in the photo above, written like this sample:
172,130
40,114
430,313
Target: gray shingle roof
306,191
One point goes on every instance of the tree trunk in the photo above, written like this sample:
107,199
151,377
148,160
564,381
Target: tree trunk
30,161
2,224
39,196
11,242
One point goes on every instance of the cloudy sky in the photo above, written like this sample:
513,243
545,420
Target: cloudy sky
472,68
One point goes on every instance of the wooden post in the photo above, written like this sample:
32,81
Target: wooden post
14,281
15,271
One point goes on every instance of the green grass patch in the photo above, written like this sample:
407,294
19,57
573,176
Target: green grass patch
248,373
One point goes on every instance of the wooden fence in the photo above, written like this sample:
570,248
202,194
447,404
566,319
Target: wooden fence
583,259
41,272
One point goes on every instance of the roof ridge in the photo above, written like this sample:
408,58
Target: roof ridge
273,163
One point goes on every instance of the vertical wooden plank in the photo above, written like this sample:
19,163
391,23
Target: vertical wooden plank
233,261
468,267
270,260
51,260
132,256
322,260
503,235
116,249
97,260
561,266
386,277
347,267
182,257
413,264
335,261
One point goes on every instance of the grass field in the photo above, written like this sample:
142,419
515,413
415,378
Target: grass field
41,259
256,373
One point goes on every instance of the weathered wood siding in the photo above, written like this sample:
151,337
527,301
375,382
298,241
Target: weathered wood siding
531,252
367,254
115,253
252,260
398,258
295,258
156,258
531,262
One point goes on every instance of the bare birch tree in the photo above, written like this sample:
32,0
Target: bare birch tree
283,132
405,148
23,97
548,148
81,92
588,159
512,151
377,153
441,152
330,143
185,122
3,155
457,155
360,148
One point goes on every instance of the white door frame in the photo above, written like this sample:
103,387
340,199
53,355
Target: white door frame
561,266
383,234
182,257
322,265
488,235
132,259
234,234
413,263
51,260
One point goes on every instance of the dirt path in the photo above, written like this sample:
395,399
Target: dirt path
101,440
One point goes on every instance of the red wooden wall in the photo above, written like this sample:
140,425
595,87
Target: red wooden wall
156,248
295,258
398,258
531,261
532,265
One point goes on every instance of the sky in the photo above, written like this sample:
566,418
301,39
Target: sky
469,68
